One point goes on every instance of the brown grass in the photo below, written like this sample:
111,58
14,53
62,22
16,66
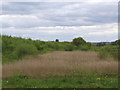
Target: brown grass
60,61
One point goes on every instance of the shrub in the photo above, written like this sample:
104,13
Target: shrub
57,40
88,44
40,45
25,49
108,51
69,48
79,41
84,48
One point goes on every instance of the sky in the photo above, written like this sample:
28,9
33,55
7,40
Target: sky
47,21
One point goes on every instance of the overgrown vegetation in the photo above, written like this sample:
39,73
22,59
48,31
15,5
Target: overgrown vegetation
16,48
108,51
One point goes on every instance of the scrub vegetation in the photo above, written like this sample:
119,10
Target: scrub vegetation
54,64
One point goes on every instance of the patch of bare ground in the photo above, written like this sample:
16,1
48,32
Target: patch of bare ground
60,61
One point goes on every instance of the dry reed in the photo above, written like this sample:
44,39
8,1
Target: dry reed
60,61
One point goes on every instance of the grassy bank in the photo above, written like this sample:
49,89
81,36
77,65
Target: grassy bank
90,80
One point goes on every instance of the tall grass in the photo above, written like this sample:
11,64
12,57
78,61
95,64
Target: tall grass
60,62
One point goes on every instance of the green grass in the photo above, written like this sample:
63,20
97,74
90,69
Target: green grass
90,81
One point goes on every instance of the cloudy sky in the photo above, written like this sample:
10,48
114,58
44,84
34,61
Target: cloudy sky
94,21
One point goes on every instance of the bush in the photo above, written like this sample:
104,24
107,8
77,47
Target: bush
108,51
52,45
84,48
79,41
88,44
57,40
14,48
69,48
40,45
25,49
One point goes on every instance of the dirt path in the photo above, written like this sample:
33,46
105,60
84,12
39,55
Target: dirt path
60,61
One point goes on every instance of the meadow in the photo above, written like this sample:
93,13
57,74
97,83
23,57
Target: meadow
52,64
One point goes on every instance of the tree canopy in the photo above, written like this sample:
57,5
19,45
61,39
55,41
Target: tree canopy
79,41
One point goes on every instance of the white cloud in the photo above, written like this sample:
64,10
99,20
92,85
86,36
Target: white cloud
58,14
107,29
66,33
19,20
94,20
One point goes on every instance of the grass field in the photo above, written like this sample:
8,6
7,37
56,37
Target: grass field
30,63
64,82
62,69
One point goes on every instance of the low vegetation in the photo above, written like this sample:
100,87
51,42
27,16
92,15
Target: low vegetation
91,80
15,48
109,52
76,64
60,61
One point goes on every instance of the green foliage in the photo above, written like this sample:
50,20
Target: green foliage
79,41
39,45
69,47
117,42
108,51
88,44
15,48
84,48
57,40
25,49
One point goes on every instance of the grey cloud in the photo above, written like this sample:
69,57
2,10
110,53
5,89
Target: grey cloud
22,19
64,14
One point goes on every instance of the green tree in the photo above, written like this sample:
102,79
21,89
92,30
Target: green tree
79,41
57,40
117,42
